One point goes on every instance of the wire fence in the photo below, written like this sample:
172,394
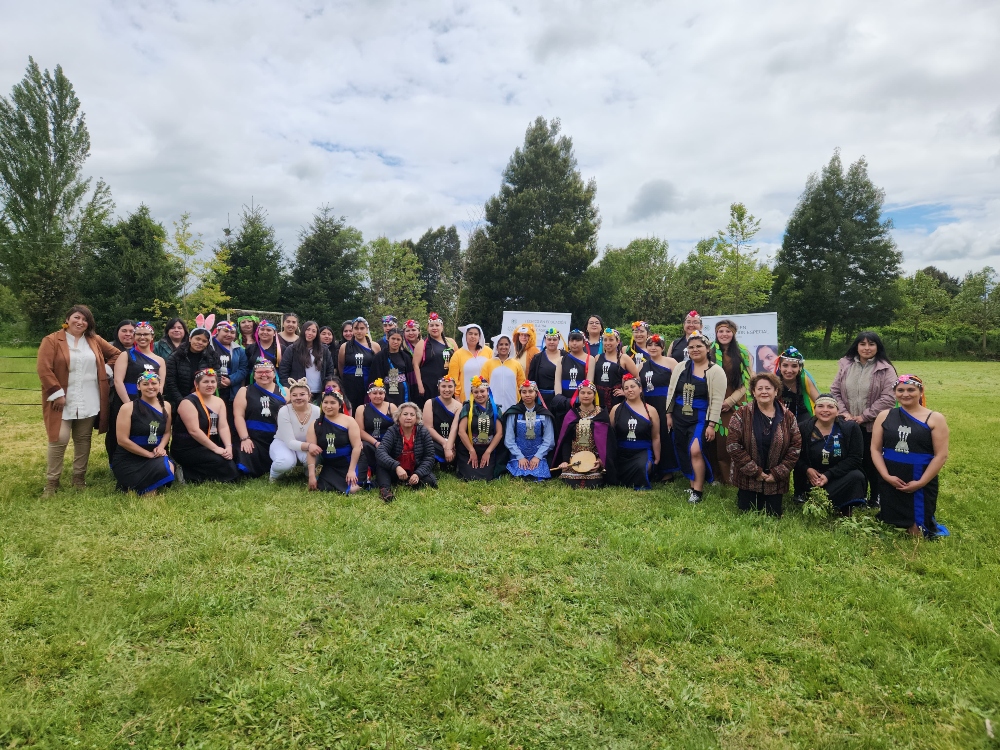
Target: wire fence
5,389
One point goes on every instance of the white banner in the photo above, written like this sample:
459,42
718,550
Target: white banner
542,320
758,333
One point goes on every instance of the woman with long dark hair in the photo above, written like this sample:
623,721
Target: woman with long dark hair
139,358
124,336
595,335
586,431
478,438
863,388
139,461
326,336
439,418
393,366
355,360
308,358
339,437
734,359
174,334
637,346
576,365
247,327
431,358
637,434
655,382
289,332
256,408
193,355
609,367
373,422
265,345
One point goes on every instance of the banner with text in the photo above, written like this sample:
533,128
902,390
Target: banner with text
758,333
542,320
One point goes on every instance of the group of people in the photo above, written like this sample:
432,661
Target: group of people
224,401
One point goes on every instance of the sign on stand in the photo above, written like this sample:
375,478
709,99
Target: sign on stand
512,319
758,333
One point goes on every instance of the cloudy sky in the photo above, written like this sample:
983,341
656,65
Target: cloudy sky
403,115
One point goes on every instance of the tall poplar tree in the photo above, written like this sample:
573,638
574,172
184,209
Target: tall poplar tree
838,264
540,233
45,220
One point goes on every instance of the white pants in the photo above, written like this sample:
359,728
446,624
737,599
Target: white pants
284,459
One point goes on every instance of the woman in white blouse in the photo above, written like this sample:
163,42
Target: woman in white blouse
74,366
290,445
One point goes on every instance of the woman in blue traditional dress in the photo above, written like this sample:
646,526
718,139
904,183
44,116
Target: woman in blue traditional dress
140,462
637,434
340,438
373,423
440,415
140,358
479,437
529,435
655,382
909,449
694,404
355,359
256,408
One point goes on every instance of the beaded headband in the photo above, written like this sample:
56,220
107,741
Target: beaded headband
587,385
147,375
207,371
142,325
826,398
377,385
263,364
478,382
909,380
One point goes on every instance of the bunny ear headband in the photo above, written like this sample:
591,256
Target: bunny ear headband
203,325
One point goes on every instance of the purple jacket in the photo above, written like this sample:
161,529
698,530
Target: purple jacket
880,394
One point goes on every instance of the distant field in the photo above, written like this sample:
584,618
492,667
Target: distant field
505,615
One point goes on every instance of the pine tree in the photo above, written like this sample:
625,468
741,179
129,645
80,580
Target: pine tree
252,270
838,264
324,280
540,234
128,270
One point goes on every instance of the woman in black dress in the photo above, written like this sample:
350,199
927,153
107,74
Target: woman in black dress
373,418
138,359
478,435
289,333
439,419
265,345
831,457
545,370
393,366
431,358
655,381
909,449
140,462
256,409
576,365
247,327
637,433
202,445
609,367
355,360
339,437
637,347
595,338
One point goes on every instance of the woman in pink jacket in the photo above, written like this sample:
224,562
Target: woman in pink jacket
863,388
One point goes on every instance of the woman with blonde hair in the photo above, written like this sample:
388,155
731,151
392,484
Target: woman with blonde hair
525,345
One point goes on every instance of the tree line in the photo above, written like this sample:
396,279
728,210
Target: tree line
534,248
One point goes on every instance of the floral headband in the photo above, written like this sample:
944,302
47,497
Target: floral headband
612,332
478,382
640,324
531,385
142,325
432,316
329,391
265,323
909,380
411,324
701,336
146,376
552,333
656,339
447,379
628,376
587,385
206,371
377,385
694,314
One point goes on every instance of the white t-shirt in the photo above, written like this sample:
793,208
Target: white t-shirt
292,432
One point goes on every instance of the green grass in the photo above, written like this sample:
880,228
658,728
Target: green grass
495,616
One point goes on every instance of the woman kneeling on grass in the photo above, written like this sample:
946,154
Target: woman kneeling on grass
529,435
256,408
140,461
478,435
339,439
291,445
909,449
202,445
586,432
831,457
405,454
763,444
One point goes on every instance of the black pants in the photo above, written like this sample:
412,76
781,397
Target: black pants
387,477
750,500
871,473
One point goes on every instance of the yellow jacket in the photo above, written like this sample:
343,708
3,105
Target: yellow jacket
457,369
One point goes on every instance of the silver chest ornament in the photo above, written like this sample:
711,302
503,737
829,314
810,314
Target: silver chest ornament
392,381
377,426
605,372
213,424
632,424
904,434
331,443
572,376
359,361
529,424
446,356
154,426
265,406
687,400
483,426
649,381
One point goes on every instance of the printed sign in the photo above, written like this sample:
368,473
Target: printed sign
758,333
542,320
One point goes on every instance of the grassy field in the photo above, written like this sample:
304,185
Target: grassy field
495,616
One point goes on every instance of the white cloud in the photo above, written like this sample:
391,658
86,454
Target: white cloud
417,107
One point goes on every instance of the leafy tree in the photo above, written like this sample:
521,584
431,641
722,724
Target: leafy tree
391,280
951,284
45,220
695,281
838,263
741,283
324,279
634,282
252,268
921,298
978,304
440,254
541,230
128,269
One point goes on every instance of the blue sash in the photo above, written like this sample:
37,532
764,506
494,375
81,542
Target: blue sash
253,424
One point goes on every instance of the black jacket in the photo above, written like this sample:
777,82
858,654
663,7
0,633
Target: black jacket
181,367
388,450
290,366
853,448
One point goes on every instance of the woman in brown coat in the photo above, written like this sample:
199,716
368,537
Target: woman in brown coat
73,367
764,444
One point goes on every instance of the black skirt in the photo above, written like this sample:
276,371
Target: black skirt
465,471
199,463
140,474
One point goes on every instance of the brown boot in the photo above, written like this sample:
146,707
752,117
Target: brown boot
51,487
79,481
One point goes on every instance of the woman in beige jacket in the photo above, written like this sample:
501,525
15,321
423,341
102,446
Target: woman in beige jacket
73,367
